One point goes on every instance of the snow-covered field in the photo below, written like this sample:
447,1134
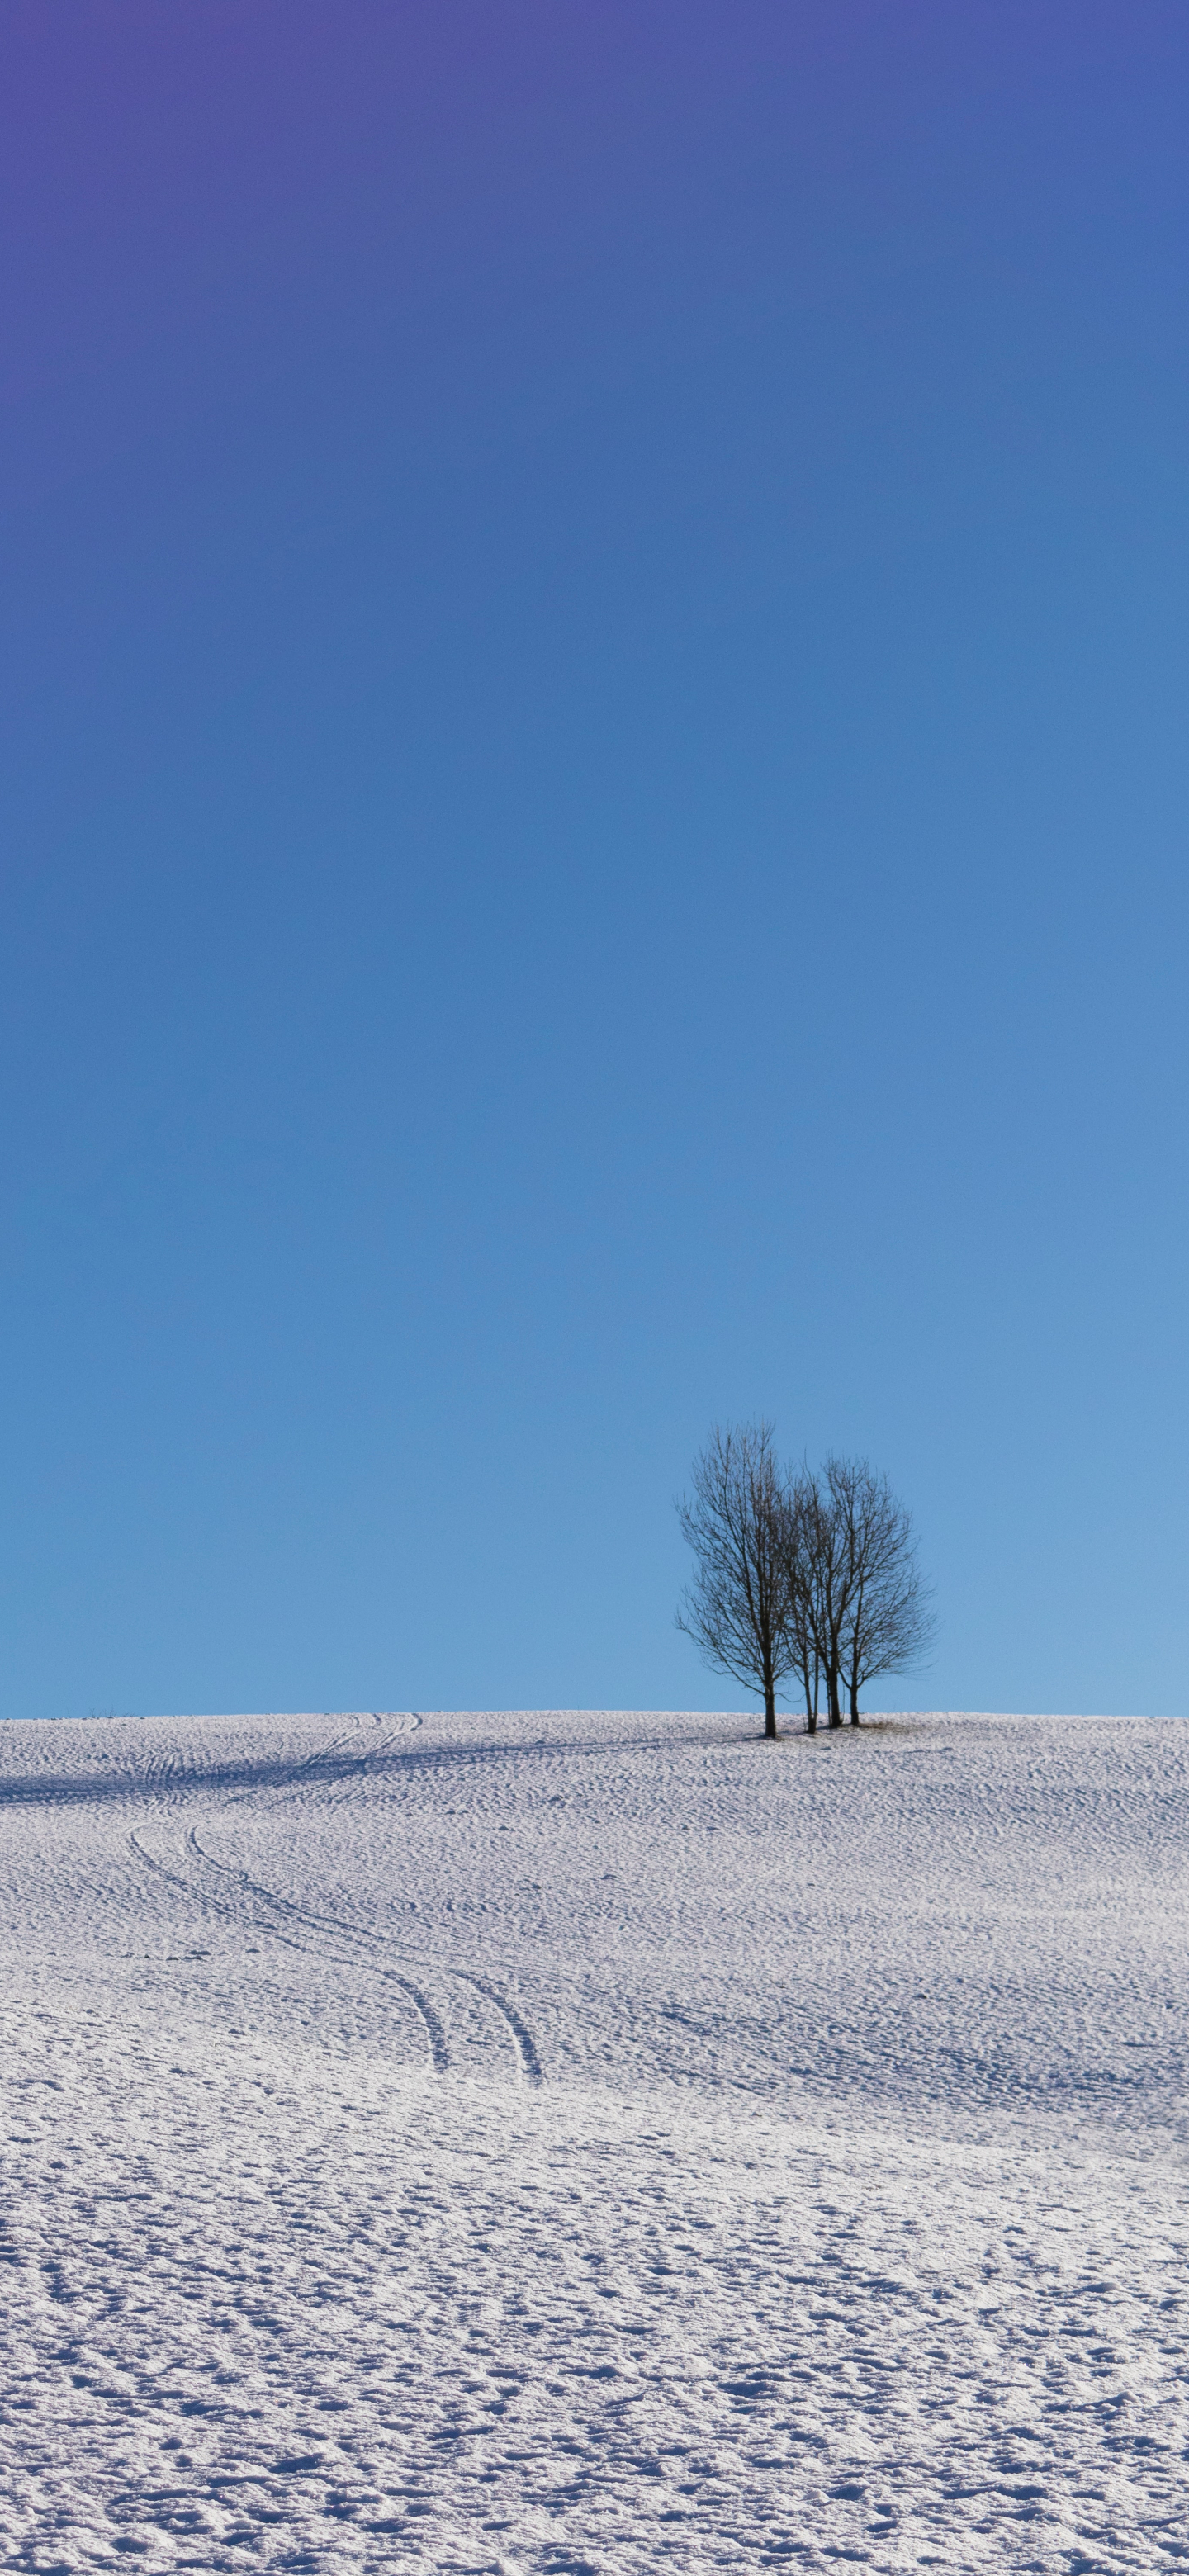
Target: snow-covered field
567,2143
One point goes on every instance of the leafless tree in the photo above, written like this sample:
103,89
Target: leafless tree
856,1604
818,1579
816,1575
801,1554
737,1607
885,1622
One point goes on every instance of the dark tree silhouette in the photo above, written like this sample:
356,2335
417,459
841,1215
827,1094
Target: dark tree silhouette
819,1575
737,1607
887,1622
801,1553
816,1575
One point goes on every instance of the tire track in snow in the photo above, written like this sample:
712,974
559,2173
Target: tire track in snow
360,1939
519,2028
407,1725
240,1914
303,1772
309,1920
526,2047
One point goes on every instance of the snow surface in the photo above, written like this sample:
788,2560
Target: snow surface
570,2144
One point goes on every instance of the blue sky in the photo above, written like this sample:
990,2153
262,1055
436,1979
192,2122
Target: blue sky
595,790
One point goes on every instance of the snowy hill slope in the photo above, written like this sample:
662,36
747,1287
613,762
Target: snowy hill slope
594,2142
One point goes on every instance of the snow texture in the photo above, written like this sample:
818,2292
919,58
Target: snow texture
575,2145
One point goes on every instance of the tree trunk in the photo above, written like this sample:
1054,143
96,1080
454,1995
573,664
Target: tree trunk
854,1700
833,1696
769,1697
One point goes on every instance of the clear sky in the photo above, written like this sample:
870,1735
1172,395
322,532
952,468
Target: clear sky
595,784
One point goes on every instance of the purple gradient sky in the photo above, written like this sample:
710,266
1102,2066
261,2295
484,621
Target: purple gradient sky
594,832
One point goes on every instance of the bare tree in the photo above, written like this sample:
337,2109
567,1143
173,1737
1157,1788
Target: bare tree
856,1603
815,1576
819,1576
737,1607
800,1552
885,1622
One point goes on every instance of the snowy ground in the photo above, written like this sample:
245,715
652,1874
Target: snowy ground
584,2143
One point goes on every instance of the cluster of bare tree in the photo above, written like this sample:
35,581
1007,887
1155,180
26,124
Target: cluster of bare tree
812,1576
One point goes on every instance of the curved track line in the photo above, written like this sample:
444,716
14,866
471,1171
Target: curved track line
230,1913
408,1724
357,1935
431,2020
517,2025
525,2043
282,1904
